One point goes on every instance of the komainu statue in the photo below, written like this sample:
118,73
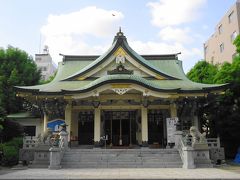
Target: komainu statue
197,137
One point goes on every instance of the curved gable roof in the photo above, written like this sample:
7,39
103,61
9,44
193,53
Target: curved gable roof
167,66
120,41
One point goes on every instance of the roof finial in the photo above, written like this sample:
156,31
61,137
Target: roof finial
120,30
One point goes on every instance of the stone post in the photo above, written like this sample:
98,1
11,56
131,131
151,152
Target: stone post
144,124
188,158
178,137
55,158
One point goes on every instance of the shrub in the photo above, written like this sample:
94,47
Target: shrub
10,151
17,142
10,155
10,130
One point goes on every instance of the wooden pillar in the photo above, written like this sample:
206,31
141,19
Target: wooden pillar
195,116
173,110
68,118
97,126
144,125
74,123
45,121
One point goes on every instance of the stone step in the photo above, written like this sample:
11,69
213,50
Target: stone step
122,165
121,158
77,159
127,153
122,150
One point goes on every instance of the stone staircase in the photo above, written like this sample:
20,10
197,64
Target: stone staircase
121,158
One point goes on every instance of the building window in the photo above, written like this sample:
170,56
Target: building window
221,47
220,29
230,17
233,36
38,59
30,130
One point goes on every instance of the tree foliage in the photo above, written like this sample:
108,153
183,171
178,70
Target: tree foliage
221,114
17,68
202,72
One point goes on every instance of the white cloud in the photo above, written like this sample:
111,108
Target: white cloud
175,35
172,17
188,55
174,12
72,33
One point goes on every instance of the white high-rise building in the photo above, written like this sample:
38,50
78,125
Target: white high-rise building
45,63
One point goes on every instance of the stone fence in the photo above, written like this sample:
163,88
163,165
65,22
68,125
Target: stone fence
198,153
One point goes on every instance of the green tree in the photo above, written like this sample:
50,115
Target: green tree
237,43
17,68
203,72
221,114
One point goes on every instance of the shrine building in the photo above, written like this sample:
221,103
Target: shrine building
129,98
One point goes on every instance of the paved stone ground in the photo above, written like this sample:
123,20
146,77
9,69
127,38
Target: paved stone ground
139,173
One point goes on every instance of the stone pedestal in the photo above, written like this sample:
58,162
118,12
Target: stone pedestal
55,158
200,146
188,158
178,137
201,155
41,156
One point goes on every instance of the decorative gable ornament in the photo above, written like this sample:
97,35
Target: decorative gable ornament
120,59
120,91
120,69
120,55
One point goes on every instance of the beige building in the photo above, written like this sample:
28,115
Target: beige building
45,64
219,47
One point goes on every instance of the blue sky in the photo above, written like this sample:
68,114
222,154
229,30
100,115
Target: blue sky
88,27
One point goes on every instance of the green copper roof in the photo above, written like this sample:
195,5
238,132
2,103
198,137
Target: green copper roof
120,41
66,87
167,66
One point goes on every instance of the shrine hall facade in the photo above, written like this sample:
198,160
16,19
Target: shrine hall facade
120,96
